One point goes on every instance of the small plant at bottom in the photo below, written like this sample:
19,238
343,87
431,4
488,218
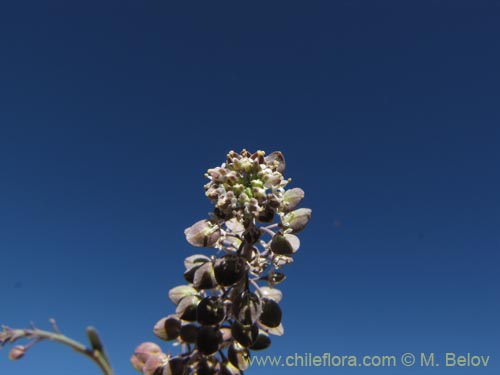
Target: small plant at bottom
229,306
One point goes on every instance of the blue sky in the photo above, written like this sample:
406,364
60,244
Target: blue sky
387,112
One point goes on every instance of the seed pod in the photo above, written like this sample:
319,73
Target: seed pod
296,220
167,328
203,234
271,313
189,274
188,333
262,342
247,307
276,331
204,277
208,340
280,245
196,259
238,356
229,369
181,291
274,277
206,366
271,293
175,366
187,307
211,310
229,269
245,335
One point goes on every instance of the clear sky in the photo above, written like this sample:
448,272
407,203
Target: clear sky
388,113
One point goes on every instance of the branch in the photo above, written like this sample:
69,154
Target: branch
95,352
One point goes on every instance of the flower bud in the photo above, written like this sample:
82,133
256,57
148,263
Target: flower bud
17,352
276,160
272,179
297,220
202,234
142,353
292,198
155,363
94,339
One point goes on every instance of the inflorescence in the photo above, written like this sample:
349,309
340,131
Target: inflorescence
230,305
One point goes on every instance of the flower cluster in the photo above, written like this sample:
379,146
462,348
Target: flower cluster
230,305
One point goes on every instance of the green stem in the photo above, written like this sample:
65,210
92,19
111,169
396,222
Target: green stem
97,356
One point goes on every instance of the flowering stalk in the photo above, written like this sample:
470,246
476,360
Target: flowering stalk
95,351
230,305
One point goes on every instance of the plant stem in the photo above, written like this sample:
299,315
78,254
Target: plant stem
97,356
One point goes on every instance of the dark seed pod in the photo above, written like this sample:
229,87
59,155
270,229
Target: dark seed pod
274,278
188,333
251,235
266,216
211,310
271,313
222,214
247,307
245,335
238,356
204,277
262,342
208,340
187,308
280,245
229,269
175,366
189,274
206,366
229,369
167,328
